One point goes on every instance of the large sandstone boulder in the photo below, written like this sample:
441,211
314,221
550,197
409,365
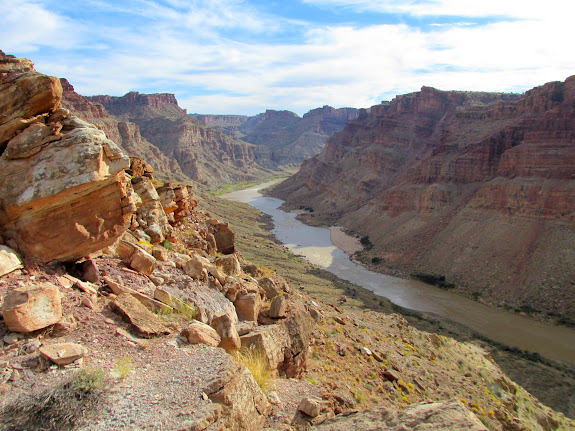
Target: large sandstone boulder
447,416
30,308
62,185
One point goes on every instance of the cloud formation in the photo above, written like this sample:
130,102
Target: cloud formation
236,56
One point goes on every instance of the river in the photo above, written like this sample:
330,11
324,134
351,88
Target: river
313,243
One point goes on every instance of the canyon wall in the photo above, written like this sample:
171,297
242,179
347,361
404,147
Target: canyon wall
475,187
203,154
291,138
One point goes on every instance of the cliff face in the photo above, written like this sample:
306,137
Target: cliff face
206,155
291,138
477,187
124,133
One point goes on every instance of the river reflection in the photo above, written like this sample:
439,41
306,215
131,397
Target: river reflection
557,343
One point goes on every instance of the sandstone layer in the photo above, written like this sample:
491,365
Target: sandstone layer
475,187
63,190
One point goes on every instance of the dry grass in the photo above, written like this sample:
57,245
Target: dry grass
255,361
61,407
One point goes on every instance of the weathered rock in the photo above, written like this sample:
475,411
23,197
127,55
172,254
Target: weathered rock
245,327
196,266
200,333
278,307
311,406
24,93
150,303
447,416
9,260
248,306
65,202
270,340
226,329
174,302
225,238
155,233
30,308
29,141
211,304
245,405
269,286
284,344
144,321
142,261
160,253
229,264
90,271
63,353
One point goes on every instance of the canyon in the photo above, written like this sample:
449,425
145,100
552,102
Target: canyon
474,191
291,138
127,301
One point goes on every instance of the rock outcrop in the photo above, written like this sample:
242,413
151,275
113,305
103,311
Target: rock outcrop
449,416
63,188
475,187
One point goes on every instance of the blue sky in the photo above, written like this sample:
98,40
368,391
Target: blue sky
243,57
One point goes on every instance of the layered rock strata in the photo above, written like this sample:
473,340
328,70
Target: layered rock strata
475,187
63,189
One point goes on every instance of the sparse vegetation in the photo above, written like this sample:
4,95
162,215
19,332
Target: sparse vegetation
60,407
124,366
255,361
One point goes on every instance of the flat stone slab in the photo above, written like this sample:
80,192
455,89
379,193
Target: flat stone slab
146,323
63,353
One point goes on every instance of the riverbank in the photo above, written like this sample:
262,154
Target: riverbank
552,383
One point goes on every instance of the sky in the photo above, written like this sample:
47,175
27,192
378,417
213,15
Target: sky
246,56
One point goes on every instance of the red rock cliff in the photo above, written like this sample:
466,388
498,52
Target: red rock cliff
477,187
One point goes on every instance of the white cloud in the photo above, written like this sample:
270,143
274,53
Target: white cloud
187,47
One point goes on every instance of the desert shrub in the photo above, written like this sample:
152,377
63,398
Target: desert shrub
61,407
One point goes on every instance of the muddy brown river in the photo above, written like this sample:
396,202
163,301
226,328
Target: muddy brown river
552,342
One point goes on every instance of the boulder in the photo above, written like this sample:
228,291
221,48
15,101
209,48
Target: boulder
278,307
211,304
226,329
269,286
245,405
271,340
150,303
65,201
30,308
230,264
446,416
196,266
200,333
225,238
248,306
144,321
63,353
142,261
9,260
311,406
